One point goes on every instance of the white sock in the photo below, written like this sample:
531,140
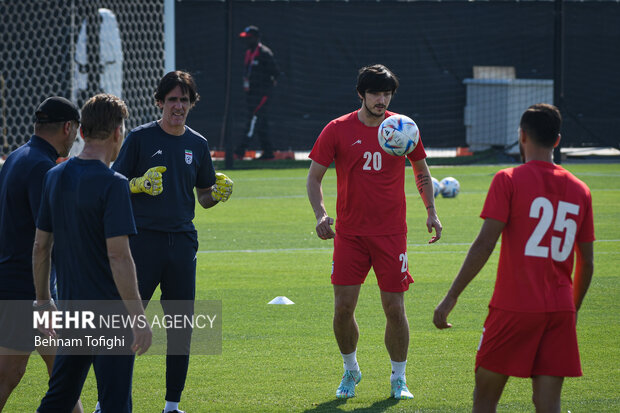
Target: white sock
398,369
98,406
171,406
350,361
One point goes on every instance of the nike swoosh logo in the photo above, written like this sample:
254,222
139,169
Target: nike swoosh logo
356,142
158,152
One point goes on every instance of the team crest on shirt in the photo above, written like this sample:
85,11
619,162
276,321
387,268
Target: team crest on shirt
189,156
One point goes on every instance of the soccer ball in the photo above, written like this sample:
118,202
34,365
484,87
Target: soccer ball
398,135
436,187
450,187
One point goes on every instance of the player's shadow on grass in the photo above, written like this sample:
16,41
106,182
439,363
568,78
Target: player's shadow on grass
334,406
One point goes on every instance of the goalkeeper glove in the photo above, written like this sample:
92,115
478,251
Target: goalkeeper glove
150,183
222,189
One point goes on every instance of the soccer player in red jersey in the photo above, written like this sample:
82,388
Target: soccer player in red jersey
371,229
544,215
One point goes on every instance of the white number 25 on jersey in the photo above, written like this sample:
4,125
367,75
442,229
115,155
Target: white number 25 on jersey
542,209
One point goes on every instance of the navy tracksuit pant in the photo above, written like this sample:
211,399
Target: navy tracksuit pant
113,373
168,259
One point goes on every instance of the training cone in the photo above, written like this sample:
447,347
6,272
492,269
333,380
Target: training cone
281,300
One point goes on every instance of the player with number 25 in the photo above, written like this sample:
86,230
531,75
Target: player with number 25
544,215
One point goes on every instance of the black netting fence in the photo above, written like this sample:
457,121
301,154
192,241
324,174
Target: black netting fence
467,68
76,49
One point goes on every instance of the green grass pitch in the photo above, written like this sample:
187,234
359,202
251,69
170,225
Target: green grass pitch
261,244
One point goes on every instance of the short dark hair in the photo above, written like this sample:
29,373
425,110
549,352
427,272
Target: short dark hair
49,128
101,115
174,79
542,123
376,78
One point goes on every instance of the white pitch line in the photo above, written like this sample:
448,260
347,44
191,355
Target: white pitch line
596,174
333,195
408,195
327,249
274,197
278,250
273,250
290,250
276,178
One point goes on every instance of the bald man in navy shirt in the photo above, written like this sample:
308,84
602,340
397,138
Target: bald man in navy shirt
21,180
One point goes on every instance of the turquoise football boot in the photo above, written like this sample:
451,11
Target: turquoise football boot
400,390
350,379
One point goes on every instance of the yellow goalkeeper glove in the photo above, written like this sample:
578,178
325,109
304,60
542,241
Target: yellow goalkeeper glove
222,189
150,183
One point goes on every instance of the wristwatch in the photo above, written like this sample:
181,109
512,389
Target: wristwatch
42,307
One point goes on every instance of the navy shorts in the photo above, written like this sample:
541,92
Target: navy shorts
16,324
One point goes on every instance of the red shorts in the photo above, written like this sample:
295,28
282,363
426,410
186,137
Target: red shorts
386,254
529,344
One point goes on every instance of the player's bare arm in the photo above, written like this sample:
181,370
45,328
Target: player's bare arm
584,268
424,184
41,265
204,197
476,258
315,195
124,275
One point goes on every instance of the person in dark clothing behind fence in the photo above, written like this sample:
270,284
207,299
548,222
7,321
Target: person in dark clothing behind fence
259,78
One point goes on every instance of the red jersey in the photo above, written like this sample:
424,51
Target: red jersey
370,182
546,210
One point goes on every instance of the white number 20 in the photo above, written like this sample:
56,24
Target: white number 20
373,161
542,209
405,261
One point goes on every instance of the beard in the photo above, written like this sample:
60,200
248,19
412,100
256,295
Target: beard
374,112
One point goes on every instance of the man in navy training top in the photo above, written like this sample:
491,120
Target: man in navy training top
86,215
21,180
166,244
